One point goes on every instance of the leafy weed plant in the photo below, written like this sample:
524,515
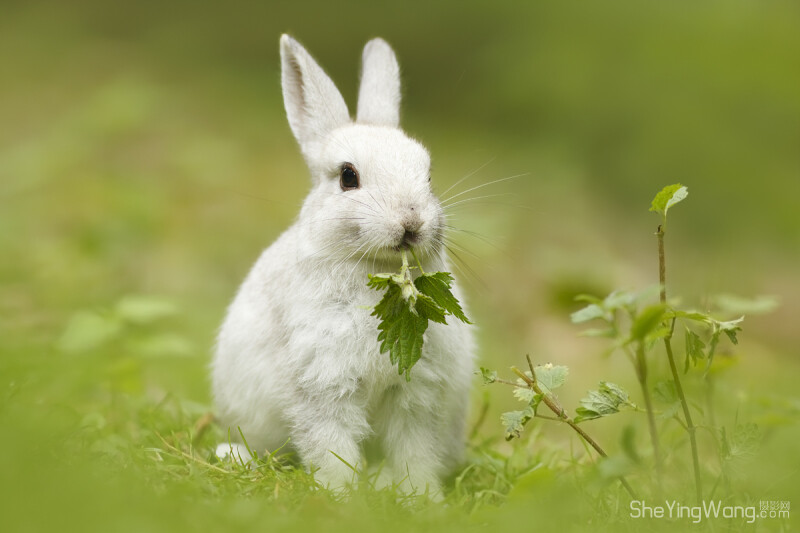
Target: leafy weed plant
635,327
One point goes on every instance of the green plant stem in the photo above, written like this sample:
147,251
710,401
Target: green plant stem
553,418
662,264
559,411
553,405
641,372
506,382
419,264
639,362
710,400
481,417
691,428
680,422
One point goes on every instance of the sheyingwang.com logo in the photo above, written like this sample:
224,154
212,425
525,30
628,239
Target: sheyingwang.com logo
712,509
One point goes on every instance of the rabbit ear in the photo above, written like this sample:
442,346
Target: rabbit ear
313,104
379,94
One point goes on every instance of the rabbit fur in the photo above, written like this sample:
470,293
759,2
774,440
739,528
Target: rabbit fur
297,357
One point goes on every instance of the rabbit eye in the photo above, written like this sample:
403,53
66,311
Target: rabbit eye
348,177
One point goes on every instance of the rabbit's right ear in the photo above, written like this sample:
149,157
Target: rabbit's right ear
313,104
379,94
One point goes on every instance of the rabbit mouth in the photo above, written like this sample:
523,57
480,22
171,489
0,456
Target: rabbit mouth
409,239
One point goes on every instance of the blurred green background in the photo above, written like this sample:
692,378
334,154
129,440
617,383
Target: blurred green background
145,161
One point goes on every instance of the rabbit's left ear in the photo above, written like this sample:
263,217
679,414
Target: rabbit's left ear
379,94
314,106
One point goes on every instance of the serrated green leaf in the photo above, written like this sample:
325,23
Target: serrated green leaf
667,197
712,347
620,300
604,309
400,330
405,310
694,349
678,196
379,281
689,315
590,312
605,401
647,321
670,411
514,421
656,335
391,303
745,441
489,376
402,338
665,392
732,336
524,394
739,448
583,414
551,377
731,325
409,345
615,391
730,328
427,308
436,285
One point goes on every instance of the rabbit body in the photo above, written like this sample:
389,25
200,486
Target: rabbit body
297,356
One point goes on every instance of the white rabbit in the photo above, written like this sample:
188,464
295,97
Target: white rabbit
297,357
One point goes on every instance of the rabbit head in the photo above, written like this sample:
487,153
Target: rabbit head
371,194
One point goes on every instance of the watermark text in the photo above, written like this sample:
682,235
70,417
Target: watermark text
672,509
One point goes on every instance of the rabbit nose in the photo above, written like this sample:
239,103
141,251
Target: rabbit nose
411,221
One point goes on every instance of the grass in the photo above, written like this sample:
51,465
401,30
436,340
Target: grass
95,438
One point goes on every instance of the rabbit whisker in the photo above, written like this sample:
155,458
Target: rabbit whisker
468,176
450,244
474,198
380,191
374,199
341,262
485,185
489,202
464,267
349,197
368,250
475,235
